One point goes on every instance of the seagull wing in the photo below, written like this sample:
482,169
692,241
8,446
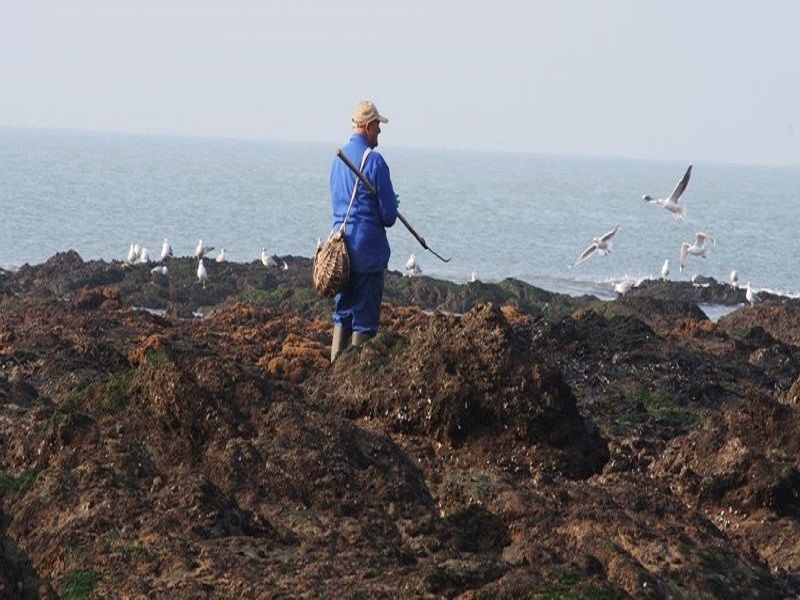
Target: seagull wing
676,193
704,237
699,241
701,238
610,234
586,254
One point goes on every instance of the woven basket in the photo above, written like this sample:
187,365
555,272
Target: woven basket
331,271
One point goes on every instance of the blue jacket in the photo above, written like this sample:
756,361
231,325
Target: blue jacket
365,231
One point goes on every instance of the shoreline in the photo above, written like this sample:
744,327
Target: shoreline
711,291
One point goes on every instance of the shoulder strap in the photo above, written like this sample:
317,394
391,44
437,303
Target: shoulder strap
355,187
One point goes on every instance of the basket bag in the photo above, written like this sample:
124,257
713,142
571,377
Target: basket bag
331,269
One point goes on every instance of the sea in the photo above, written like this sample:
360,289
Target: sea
527,216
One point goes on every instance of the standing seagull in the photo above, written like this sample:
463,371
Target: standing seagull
671,203
132,254
166,250
267,260
751,297
601,245
201,250
221,255
665,269
622,286
202,274
412,268
697,249
734,279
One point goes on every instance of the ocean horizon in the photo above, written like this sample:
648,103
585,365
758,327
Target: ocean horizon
527,216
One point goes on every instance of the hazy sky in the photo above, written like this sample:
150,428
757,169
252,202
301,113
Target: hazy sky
680,80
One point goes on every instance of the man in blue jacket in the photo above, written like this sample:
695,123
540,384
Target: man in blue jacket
357,310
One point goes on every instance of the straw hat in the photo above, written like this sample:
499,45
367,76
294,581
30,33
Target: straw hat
366,112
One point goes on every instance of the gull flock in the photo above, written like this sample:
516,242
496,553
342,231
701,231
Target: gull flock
600,246
675,204
138,254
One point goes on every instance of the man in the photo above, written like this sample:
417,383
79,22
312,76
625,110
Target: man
357,308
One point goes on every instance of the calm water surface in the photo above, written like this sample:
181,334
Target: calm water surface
504,215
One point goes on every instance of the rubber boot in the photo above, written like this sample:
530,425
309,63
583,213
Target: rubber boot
360,337
341,340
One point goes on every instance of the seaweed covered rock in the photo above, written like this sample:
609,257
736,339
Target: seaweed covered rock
173,454
704,290
743,468
462,379
183,457
780,320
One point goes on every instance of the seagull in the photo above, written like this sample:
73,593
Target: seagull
160,270
734,279
665,269
697,249
137,250
267,260
601,245
622,287
412,268
202,249
132,254
473,277
202,274
671,203
751,296
144,257
166,250
284,266
221,255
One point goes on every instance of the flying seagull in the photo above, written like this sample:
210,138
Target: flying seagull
697,249
671,203
601,245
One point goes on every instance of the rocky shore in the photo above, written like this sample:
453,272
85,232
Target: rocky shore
159,439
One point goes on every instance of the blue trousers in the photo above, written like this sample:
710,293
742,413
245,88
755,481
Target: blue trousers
358,306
